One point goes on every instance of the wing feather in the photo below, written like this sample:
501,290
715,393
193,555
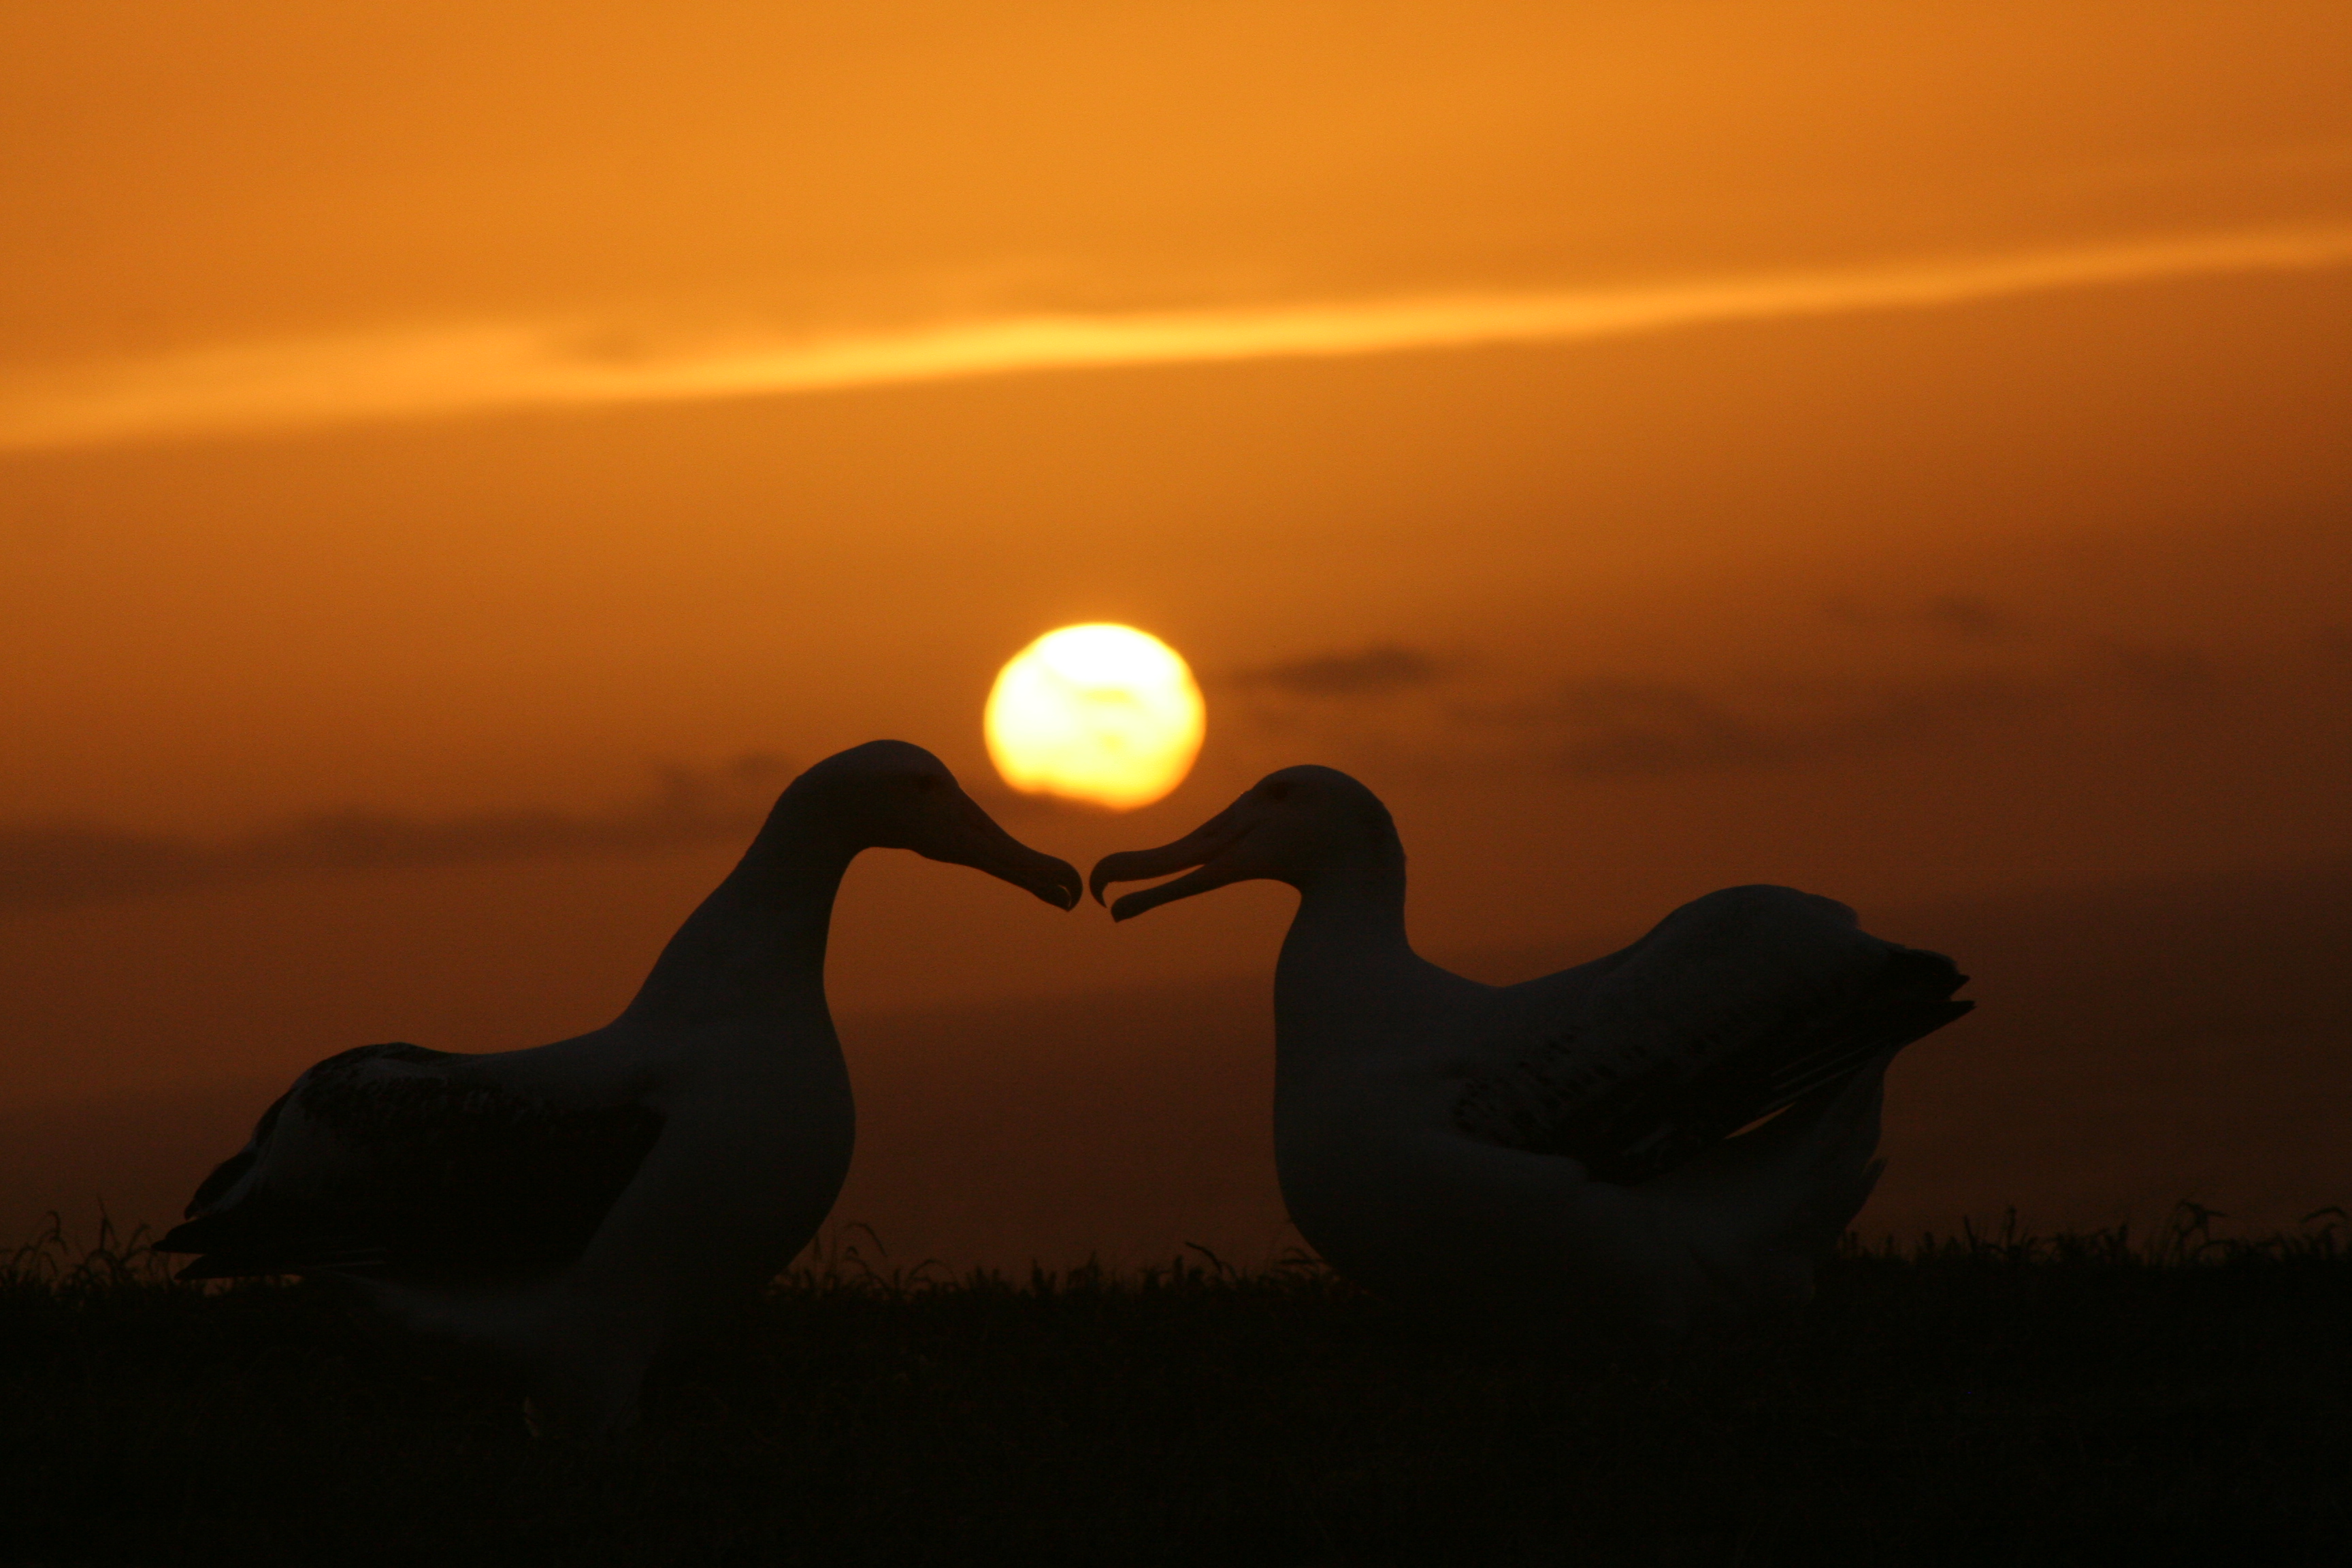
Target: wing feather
415,1163
1735,1006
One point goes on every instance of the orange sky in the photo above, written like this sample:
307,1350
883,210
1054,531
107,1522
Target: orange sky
1896,451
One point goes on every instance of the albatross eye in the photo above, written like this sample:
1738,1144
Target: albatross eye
1277,793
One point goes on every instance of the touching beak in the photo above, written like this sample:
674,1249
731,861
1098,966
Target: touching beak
985,847
1201,847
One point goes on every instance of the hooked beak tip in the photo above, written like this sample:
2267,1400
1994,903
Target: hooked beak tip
1048,877
1197,849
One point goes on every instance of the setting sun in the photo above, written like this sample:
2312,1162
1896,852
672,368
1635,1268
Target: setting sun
1099,713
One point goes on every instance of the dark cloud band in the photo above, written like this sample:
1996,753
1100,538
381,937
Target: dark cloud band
50,866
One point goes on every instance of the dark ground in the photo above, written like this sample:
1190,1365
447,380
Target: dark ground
2090,1400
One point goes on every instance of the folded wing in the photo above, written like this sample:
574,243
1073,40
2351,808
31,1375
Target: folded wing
1734,1007
415,1164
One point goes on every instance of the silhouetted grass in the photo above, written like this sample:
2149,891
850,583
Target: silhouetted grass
1981,1399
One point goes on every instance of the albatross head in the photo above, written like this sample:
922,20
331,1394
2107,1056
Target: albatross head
889,794
1290,826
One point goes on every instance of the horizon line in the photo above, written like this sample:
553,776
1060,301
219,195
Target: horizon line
464,369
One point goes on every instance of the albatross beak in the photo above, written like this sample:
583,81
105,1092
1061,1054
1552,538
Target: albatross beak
1201,847
985,847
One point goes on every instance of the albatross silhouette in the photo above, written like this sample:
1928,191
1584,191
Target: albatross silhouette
575,1205
1573,1142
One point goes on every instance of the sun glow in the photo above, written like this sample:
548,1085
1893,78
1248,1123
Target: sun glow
1099,713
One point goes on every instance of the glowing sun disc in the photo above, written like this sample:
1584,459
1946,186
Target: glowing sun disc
1101,713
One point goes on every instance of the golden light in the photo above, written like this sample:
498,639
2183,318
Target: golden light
1101,713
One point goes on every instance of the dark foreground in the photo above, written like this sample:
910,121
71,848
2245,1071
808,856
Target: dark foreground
2089,1400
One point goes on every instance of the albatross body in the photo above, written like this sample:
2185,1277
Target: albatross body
575,1205
1574,1142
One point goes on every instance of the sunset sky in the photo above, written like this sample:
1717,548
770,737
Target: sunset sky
459,460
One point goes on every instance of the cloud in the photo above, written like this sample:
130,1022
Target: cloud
1955,616
445,369
1374,671
1613,729
50,865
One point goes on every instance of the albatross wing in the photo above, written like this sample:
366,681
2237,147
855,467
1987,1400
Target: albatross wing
1734,1007
395,1158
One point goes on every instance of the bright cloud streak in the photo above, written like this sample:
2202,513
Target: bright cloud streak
433,372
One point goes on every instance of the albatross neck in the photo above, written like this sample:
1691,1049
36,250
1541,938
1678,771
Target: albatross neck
754,950
1348,932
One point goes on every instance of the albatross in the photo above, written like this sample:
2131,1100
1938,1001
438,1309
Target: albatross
1588,1141
574,1207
